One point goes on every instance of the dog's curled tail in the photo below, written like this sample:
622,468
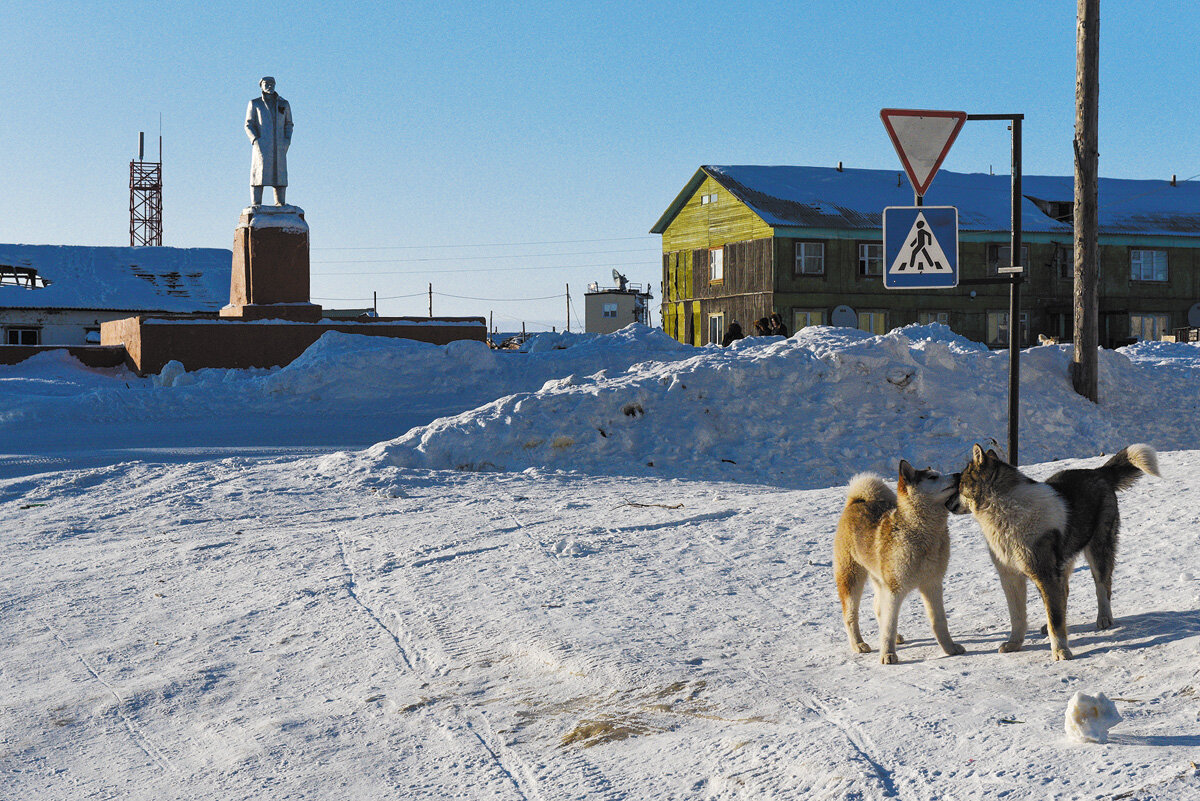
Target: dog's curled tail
1127,466
869,488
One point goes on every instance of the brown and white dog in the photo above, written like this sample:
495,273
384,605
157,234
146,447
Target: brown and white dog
900,541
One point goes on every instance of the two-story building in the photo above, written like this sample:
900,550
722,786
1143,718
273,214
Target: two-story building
740,243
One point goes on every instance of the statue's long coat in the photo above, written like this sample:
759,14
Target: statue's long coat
269,126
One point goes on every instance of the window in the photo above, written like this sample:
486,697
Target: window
1148,265
803,318
873,321
928,317
1148,326
810,258
870,259
22,336
1001,256
716,328
716,265
610,310
707,199
1064,262
997,328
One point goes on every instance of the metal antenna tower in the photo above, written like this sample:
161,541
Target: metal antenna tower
145,197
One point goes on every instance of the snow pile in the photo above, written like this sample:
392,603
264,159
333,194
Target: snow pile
805,412
1089,718
809,411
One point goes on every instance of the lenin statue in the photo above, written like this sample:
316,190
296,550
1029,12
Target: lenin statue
269,126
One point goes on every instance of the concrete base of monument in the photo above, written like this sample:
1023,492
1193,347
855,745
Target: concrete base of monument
199,342
270,258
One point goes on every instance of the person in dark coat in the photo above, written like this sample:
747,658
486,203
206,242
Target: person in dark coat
776,327
762,327
734,333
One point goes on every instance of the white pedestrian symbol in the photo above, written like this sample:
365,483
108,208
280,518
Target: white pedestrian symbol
921,252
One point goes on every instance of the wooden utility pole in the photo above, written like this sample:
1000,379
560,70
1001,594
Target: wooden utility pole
1084,370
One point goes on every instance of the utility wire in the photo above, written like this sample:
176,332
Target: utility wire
490,245
477,258
493,269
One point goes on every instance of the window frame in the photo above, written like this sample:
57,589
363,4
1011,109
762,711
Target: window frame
994,251
930,314
717,334
18,331
864,261
1166,266
809,314
1002,325
1163,318
876,315
799,259
605,308
716,267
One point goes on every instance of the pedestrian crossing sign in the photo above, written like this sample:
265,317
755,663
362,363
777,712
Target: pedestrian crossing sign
920,247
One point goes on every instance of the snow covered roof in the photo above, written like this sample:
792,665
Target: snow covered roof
825,197
124,279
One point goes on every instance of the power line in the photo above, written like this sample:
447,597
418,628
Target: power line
500,300
489,245
496,269
477,258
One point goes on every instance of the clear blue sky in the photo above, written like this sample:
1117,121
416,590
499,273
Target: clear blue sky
503,150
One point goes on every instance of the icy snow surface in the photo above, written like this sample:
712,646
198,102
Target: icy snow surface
217,586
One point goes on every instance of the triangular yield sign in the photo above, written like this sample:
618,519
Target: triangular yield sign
922,140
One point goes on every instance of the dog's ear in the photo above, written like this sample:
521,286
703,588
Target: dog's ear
993,455
977,454
907,475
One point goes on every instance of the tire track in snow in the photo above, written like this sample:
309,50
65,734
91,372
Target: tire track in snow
859,741
451,718
136,735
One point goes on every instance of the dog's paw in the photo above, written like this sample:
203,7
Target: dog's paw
862,648
888,658
1010,646
899,638
1103,623
955,649
1061,654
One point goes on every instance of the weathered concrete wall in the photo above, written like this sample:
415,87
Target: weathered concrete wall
198,343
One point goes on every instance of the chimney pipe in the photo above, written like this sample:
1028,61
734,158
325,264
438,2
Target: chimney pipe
141,145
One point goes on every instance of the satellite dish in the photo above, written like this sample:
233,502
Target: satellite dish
616,275
1194,315
844,317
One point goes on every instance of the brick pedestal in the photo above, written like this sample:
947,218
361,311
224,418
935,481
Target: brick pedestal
270,277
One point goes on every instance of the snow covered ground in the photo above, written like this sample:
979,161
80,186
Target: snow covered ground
213,587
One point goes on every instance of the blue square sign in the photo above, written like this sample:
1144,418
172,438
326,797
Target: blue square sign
920,247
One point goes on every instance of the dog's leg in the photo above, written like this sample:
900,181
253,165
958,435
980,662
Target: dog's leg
1102,558
851,578
889,612
931,594
879,591
1054,597
1014,586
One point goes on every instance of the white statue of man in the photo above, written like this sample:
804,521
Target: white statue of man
269,126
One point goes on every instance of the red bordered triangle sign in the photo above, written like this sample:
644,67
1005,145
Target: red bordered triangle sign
922,140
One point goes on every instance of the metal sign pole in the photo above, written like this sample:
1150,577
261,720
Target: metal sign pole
1014,280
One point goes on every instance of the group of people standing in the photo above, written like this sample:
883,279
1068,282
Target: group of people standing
763,327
